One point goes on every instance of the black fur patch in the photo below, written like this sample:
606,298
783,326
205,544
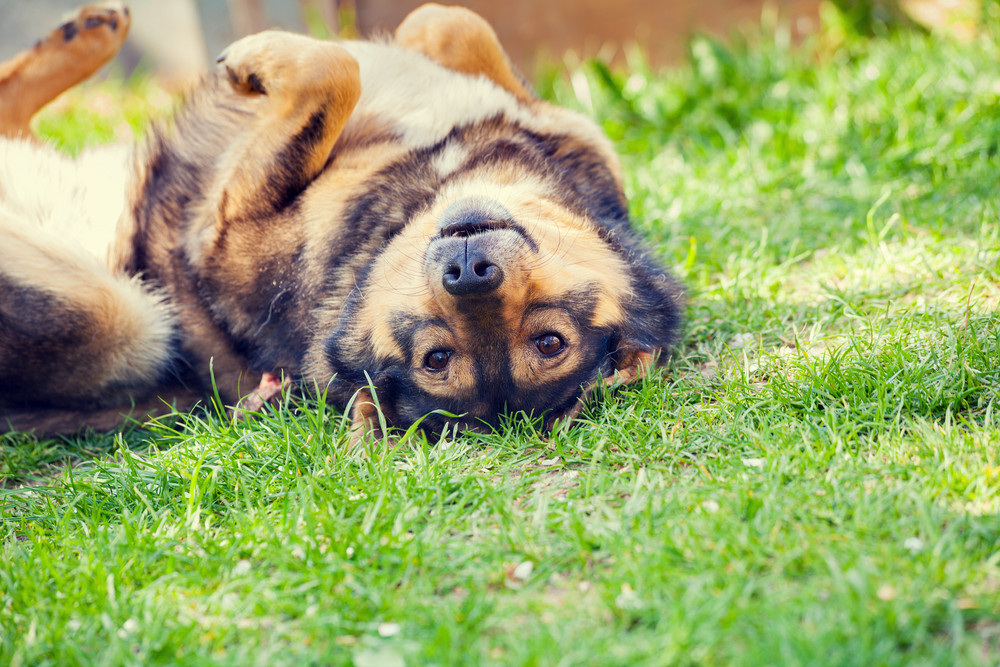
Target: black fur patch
255,84
290,164
69,31
172,186
390,200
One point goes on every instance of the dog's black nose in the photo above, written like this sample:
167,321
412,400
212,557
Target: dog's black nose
470,271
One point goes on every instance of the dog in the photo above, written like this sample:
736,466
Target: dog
400,223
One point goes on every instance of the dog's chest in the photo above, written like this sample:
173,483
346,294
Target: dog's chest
419,101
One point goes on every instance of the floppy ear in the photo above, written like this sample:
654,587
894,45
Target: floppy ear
634,364
654,312
652,325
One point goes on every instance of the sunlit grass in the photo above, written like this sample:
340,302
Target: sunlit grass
812,478
114,110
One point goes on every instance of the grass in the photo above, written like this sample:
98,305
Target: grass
813,478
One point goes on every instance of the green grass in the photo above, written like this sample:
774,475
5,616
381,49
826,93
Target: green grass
813,478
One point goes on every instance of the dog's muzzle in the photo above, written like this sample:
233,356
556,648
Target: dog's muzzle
477,239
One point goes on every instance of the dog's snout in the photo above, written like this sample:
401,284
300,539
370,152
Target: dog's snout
477,248
470,271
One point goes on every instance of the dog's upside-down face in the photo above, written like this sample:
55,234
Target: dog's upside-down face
404,224
481,309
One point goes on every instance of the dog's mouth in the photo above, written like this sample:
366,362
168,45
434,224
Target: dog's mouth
466,229
480,221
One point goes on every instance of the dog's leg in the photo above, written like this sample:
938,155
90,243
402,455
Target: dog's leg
72,334
69,54
461,40
239,154
300,92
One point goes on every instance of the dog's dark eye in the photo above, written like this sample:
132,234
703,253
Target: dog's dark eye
437,359
549,344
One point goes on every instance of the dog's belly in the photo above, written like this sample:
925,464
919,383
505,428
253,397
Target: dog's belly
70,203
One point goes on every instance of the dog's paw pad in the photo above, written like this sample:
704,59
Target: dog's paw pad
273,63
245,82
255,64
269,391
93,33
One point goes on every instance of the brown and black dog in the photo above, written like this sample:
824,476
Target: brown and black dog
401,217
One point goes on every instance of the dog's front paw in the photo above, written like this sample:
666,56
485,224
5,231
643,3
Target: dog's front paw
269,391
276,63
245,62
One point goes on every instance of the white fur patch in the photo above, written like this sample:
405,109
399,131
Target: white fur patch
449,159
425,100
57,223
76,200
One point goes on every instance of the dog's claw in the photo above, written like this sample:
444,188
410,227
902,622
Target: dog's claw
270,388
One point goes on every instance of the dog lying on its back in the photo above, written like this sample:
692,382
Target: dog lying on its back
405,217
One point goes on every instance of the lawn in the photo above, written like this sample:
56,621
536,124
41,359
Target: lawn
812,478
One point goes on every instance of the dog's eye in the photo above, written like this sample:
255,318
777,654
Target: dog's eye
549,344
437,359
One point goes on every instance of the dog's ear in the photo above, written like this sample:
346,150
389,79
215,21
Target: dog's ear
653,321
654,313
632,363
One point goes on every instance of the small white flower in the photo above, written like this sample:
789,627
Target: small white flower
627,599
754,463
710,506
388,629
914,544
242,568
523,570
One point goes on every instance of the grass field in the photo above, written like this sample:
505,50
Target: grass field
812,479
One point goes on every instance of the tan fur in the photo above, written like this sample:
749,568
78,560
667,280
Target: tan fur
412,234
460,40
34,78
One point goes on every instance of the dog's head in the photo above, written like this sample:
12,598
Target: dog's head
511,297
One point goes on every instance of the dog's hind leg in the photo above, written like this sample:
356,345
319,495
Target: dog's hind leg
300,93
461,40
68,55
